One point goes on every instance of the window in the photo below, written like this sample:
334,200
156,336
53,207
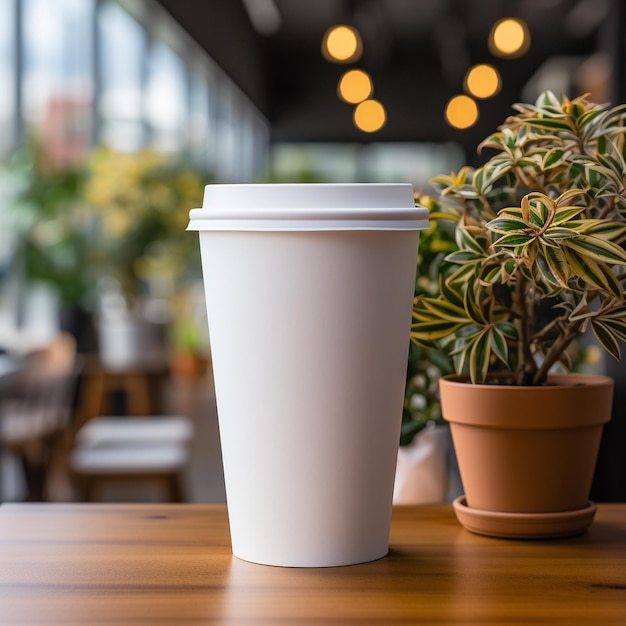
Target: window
201,122
8,136
225,134
122,52
166,99
121,73
57,83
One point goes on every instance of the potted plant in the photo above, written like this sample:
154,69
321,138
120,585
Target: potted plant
188,342
140,205
539,229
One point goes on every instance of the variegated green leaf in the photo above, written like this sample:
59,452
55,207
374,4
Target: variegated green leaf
491,275
548,99
597,248
465,240
618,329
614,310
557,266
452,290
494,171
526,162
439,215
460,278
565,214
495,141
541,209
431,331
507,329
443,310
499,345
461,257
513,240
606,339
553,157
512,212
480,354
473,305
594,273
559,233
504,225
550,124
547,273
568,195
467,191
603,229
460,357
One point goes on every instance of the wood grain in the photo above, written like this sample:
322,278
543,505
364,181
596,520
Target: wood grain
172,564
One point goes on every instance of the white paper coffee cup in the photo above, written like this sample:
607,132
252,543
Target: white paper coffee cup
309,292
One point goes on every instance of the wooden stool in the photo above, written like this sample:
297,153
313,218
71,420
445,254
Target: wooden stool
158,463
138,449
139,383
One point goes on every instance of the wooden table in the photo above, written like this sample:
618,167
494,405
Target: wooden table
171,564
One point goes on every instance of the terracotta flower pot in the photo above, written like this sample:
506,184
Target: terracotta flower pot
527,453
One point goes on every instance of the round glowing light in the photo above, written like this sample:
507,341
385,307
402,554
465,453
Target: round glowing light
509,38
355,86
370,116
483,81
461,112
342,44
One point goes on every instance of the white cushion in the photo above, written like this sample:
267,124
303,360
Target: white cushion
129,459
148,429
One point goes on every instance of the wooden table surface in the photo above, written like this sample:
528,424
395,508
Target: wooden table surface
171,564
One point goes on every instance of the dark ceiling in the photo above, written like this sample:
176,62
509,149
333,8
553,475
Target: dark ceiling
417,52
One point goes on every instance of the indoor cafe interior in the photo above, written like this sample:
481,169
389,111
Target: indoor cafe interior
115,114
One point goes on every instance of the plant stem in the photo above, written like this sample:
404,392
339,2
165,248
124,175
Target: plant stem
548,327
488,206
526,363
555,351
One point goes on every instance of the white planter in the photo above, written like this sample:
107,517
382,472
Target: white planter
127,342
423,468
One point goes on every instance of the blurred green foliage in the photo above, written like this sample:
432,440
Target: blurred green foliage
425,366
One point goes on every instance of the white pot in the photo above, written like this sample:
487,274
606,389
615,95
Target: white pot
126,342
422,469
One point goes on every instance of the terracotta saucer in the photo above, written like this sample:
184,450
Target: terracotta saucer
524,525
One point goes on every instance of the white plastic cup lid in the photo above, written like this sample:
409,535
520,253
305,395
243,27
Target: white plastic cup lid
309,207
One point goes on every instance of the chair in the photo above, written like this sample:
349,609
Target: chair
37,409
146,449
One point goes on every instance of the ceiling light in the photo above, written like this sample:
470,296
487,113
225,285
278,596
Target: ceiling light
461,112
509,37
355,86
370,116
342,44
483,81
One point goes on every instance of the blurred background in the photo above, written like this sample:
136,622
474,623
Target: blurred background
114,114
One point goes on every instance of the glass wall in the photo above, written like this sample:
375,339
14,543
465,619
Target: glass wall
122,51
120,73
166,99
56,75
76,75
8,72
201,117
